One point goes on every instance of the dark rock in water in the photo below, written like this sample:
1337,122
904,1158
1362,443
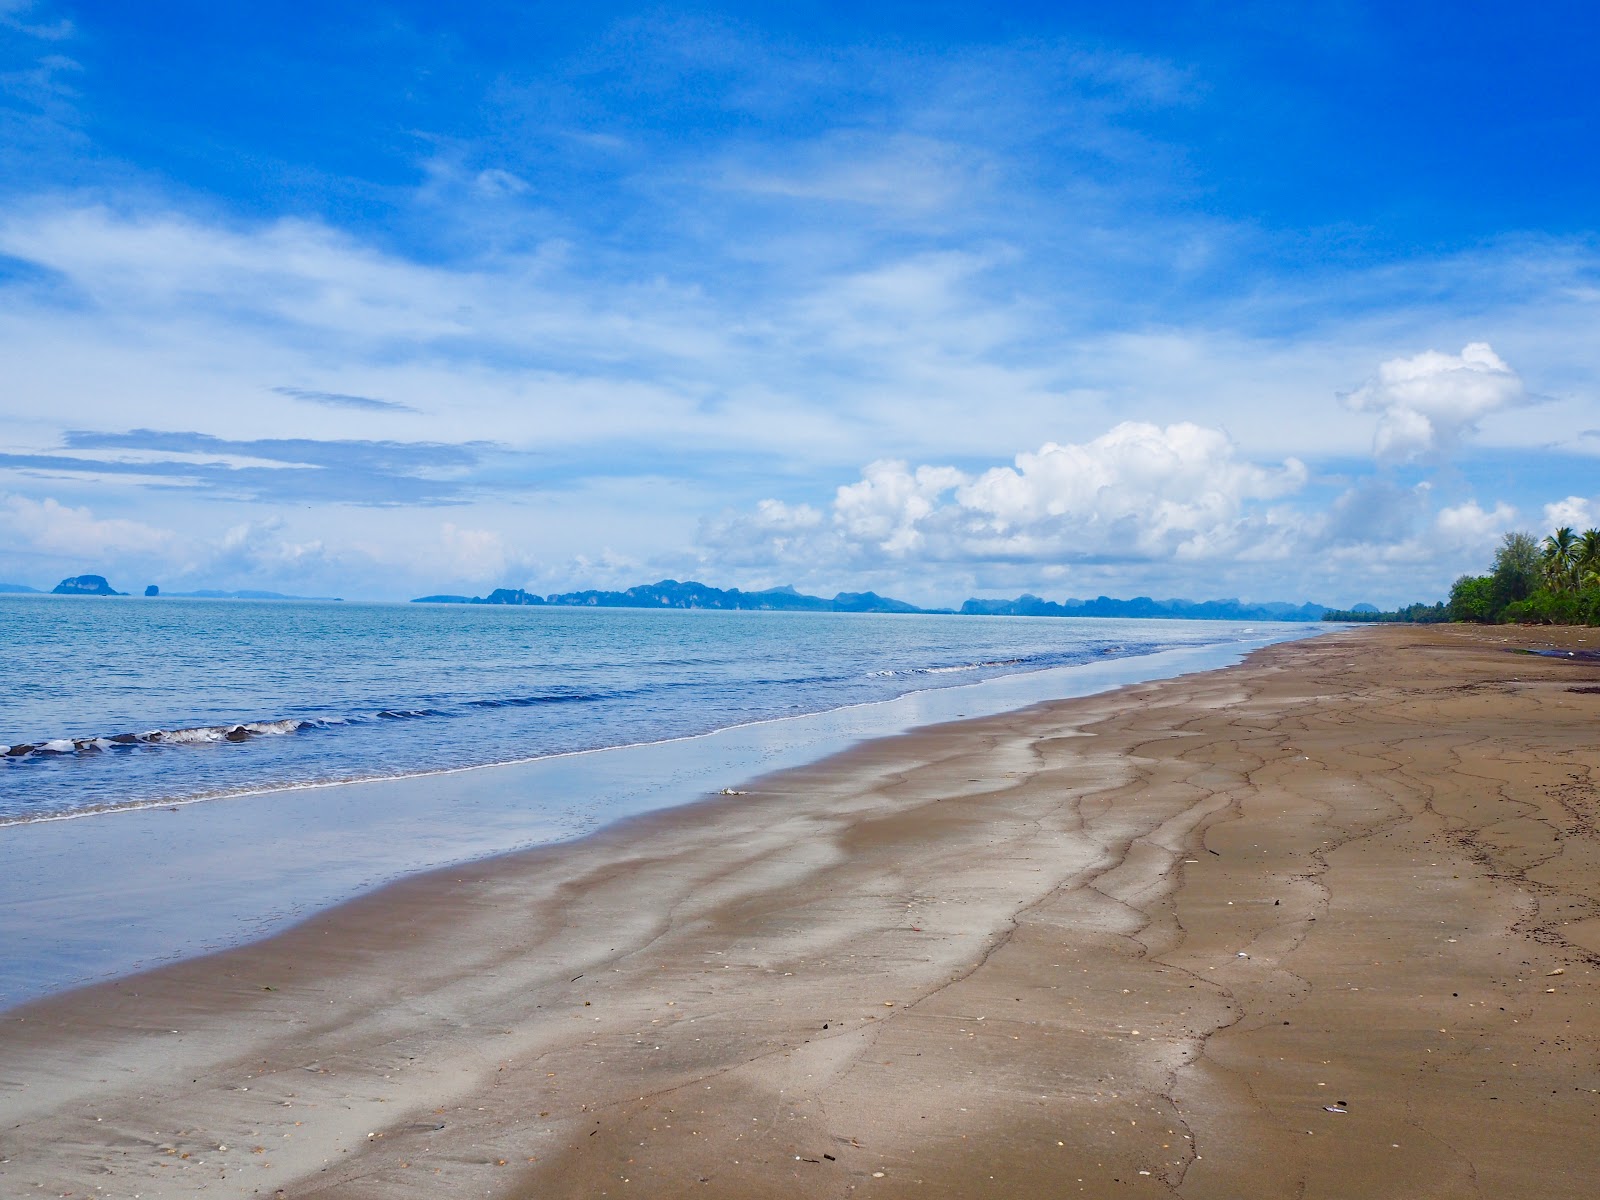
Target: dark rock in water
152,590
85,585
237,734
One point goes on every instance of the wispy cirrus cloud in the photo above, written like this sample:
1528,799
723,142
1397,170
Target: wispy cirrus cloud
342,400
275,470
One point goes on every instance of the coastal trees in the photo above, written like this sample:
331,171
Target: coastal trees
1472,599
1559,558
1589,558
1420,613
1517,568
1555,581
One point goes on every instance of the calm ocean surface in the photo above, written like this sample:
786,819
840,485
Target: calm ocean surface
132,702
127,706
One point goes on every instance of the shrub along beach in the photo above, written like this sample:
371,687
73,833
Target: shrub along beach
1553,582
1556,582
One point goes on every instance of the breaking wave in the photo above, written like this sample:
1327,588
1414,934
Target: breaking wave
244,731
195,735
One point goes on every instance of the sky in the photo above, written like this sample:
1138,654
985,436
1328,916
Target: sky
1204,300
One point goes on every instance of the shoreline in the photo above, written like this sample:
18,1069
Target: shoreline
209,874
1326,922
1236,648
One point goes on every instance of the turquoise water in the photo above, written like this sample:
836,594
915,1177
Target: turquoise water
115,703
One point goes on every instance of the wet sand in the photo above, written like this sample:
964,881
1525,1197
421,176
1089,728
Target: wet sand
1324,924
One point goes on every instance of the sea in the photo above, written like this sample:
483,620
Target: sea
124,703
180,775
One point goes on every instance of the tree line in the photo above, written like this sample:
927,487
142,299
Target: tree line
1553,582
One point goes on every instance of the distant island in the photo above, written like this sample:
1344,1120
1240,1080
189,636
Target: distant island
96,585
691,594
85,585
669,593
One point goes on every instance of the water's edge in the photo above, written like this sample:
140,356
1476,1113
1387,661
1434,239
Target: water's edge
128,890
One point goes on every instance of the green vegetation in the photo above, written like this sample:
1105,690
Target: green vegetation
1412,614
1553,582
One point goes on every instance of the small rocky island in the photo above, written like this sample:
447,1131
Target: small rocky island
85,585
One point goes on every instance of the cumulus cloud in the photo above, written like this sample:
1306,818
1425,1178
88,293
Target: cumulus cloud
1428,402
48,540
49,527
890,503
1138,488
1574,511
1468,526
1139,491
472,553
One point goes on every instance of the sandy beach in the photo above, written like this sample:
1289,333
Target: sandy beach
1324,924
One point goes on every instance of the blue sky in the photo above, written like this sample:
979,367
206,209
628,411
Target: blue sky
1285,302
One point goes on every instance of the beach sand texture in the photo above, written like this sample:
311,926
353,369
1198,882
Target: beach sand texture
1326,924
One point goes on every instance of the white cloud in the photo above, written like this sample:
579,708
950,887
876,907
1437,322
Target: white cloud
260,548
48,527
471,553
1468,526
1574,511
1177,489
890,502
1430,401
12,12
900,171
1136,492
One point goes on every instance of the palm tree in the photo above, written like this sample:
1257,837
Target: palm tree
1588,556
1561,558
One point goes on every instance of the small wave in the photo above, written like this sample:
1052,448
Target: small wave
244,731
956,668
534,701
196,735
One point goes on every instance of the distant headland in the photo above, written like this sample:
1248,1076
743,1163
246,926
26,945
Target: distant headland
690,594
670,593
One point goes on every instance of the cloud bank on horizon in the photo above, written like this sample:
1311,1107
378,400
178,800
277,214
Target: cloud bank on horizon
386,300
